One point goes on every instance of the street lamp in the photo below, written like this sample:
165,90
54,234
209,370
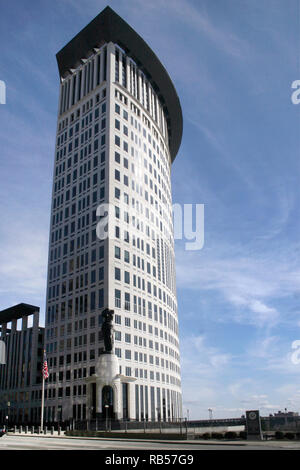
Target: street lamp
106,414
158,417
91,416
7,417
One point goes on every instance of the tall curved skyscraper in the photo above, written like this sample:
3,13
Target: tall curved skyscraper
119,129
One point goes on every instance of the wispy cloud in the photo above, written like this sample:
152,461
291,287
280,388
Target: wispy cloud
198,19
251,284
23,260
231,65
202,367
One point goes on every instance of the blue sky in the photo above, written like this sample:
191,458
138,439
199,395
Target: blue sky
232,63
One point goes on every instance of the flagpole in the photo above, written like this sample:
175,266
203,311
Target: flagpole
42,407
44,372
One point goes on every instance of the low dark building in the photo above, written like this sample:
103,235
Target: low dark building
21,376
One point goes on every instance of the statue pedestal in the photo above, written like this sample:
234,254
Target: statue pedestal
107,375
107,369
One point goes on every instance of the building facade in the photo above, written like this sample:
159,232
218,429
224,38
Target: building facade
111,237
21,375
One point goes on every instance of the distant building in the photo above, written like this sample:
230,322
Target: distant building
21,377
282,421
283,414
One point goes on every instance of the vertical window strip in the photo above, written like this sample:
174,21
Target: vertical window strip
74,89
142,86
61,99
79,85
124,75
150,100
117,65
92,75
65,97
105,64
98,69
134,82
68,95
88,78
85,81
155,108
138,84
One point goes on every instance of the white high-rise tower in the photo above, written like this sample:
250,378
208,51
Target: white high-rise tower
119,129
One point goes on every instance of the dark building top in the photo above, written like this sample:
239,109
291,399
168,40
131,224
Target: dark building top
16,312
110,27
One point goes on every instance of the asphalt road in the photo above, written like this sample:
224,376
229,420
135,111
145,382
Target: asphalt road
28,442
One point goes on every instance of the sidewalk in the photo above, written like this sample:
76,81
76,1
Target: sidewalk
134,439
35,434
278,443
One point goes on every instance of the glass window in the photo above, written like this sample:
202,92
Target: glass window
118,295
127,354
117,252
117,274
101,298
118,335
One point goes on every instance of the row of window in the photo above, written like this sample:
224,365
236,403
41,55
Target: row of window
153,186
82,82
141,89
86,123
161,175
163,164
84,168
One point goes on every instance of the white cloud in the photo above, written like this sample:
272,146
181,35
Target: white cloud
23,261
251,285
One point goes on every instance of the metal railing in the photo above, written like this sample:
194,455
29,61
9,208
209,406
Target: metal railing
109,425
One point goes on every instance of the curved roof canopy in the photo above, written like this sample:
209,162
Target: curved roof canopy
110,27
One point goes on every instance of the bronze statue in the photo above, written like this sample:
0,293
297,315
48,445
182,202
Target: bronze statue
108,330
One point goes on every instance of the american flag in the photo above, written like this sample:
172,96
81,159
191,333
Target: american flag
45,367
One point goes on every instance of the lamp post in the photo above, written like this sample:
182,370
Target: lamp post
106,414
7,417
91,417
158,418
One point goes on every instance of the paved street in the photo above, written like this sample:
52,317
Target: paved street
28,442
